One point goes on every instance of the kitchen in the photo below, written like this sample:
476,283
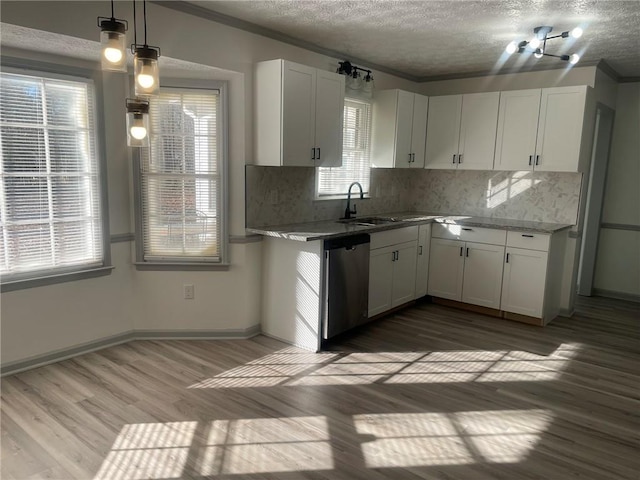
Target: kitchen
132,303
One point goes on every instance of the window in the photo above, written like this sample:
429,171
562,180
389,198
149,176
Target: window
181,179
356,150
51,219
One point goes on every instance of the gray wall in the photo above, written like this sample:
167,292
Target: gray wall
618,256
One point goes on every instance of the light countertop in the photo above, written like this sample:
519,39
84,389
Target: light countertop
310,231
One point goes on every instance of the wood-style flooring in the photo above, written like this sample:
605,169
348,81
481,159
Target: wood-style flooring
427,393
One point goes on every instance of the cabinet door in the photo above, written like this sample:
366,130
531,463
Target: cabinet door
380,280
478,130
517,128
523,281
443,131
482,283
404,119
298,114
560,129
404,274
329,117
419,130
422,265
446,265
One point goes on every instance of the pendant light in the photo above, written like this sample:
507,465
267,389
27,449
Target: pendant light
113,41
145,61
137,122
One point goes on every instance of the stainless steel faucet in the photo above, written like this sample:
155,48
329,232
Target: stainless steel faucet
347,211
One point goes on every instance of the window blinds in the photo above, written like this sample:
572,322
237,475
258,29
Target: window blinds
181,178
356,150
50,215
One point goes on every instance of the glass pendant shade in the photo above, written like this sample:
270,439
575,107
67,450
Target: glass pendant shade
113,42
137,123
146,74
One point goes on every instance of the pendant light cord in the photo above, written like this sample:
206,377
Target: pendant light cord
113,15
135,25
144,16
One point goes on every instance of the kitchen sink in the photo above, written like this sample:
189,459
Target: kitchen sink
369,221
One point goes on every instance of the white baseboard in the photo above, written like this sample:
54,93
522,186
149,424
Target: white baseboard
66,353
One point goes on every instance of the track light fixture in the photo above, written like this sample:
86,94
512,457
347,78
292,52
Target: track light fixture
538,44
137,122
113,40
354,81
145,60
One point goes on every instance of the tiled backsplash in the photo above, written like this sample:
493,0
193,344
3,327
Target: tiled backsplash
281,195
535,196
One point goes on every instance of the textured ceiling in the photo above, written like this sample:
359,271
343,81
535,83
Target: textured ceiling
430,39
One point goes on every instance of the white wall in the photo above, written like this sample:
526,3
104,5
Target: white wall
618,256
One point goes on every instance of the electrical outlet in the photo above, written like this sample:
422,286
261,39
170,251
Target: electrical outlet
189,291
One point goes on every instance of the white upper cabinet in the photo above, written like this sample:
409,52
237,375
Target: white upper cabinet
299,113
541,130
461,131
399,127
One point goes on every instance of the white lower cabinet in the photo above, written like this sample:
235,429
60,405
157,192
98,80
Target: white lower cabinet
482,281
422,264
466,272
524,278
392,269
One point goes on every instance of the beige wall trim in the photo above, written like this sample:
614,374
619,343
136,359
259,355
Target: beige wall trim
122,237
620,226
251,238
632,297
66,353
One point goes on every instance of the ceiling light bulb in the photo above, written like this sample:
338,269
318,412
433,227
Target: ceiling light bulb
138,132
573,59
113,55
511,48
145,80
576,32
538,53
535,42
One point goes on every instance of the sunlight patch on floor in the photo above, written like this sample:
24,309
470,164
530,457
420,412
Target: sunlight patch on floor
293,368
428,439
265,445
148,451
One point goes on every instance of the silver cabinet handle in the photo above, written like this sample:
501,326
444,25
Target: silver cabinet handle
459,158
467,251
528,236
313,153
461,250
419,249
318,153
409,158
454,158
530,160
537,159
413,158
467,229
507,258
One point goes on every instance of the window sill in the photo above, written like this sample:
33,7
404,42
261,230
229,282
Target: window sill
177,266
14,285
354,198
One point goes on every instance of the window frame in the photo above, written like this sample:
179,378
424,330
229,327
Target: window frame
51,276
185,264
343,196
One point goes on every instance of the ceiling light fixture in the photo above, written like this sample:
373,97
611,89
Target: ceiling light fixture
355,85
137,122
145,60
538,45
113,41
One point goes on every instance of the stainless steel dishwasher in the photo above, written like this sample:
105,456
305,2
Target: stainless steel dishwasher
346,284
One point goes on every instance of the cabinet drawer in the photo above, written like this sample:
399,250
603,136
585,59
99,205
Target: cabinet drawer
469,234
393,237
529,240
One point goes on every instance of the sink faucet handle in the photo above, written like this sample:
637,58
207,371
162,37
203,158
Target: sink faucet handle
354,211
